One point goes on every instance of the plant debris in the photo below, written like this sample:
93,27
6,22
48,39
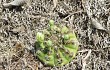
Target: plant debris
16,3
22,26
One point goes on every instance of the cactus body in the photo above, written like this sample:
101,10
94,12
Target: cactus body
61,46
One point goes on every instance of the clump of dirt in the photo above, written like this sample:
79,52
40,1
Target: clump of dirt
22,23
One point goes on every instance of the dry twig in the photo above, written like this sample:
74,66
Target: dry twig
55,2
73,14
84,61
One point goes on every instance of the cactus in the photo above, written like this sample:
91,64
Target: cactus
57,45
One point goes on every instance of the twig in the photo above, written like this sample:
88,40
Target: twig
85,50
85,60
55,2
15,65
73,14
106,47
30,67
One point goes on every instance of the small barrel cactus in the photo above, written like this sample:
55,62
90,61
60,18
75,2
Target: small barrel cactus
56,45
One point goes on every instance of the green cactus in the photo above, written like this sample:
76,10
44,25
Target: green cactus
56,46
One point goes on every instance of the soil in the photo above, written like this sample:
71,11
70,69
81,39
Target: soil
19,25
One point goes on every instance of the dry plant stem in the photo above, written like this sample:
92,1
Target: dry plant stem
36,66
83,3
26,64
0,1
31,67
16,64
73,14
85,50
106,47
84,61
55,2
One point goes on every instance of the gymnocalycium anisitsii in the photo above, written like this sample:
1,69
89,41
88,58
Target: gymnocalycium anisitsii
57,45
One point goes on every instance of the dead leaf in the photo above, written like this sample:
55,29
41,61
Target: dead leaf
19,29
19,49
16,3
97,25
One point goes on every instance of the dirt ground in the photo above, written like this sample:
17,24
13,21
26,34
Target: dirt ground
18,28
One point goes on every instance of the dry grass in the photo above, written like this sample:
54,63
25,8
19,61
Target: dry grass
20,25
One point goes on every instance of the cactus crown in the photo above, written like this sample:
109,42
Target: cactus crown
56,45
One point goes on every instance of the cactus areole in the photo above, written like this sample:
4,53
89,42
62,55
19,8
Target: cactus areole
56,45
